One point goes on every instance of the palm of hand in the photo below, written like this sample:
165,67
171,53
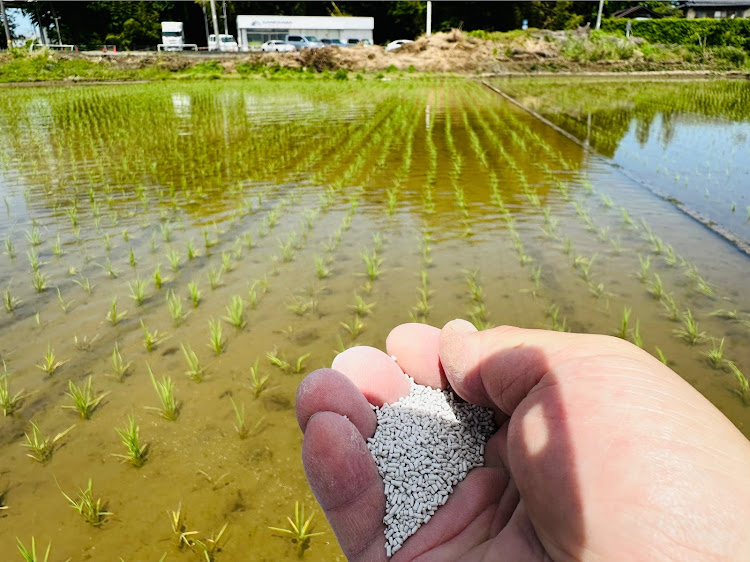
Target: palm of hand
602,452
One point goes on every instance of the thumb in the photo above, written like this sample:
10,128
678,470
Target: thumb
497,368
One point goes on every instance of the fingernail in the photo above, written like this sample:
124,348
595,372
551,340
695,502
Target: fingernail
461,326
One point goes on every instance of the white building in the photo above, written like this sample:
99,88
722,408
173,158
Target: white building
252,31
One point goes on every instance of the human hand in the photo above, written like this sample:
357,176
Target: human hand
602,452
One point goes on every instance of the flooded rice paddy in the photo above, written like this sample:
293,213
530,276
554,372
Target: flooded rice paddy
231,237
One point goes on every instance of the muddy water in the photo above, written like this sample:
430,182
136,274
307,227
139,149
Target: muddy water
475,209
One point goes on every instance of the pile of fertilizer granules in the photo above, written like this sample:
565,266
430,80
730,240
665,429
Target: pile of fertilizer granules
424,445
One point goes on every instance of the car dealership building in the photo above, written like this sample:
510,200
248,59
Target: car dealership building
253,31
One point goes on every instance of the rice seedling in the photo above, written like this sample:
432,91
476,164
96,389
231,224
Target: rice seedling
179,528
226,262
355,327
120,368
173,256
93,511
151,339
138,291
655,287
34,236
195,294
556,323
9,248
660,355
606,200
85,284
191,252
34,262
10,301
715,355
278,361
689,331
39,281
644,274
257,383
109,269
166,231
50,364
195,370
703,287
216,340
114,316
30,555
41,447
169,408
669,258
636,333
741,378
174,304
321,267
211,545
240,426
584,264
152,242
84,399
360,307
623,332
235,312
299,364
214,278
300,529
9,402
372,263
136,453
158,280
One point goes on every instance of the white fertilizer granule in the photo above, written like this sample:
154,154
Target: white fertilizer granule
424,444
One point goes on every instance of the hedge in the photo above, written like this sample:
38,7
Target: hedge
678,31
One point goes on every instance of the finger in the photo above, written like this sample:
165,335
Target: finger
496,449
376,375
326,390
345,481
498,367
462,522
415,347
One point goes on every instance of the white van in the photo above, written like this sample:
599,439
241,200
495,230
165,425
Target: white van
228,44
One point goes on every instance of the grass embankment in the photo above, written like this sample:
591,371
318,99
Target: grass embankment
468,53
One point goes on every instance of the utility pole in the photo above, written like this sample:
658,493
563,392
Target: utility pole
205,20
216,24
429,18
599,15
5,23
57,27
224,8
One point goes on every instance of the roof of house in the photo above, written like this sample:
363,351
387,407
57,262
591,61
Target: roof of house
635,12
714,3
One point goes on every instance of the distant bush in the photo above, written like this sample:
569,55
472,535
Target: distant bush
599,47
677,31
734,55
207,67
341,74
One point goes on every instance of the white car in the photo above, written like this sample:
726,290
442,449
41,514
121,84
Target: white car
228,44
395,45
277,47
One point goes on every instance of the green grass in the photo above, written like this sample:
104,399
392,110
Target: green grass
84,399
169,408
135,452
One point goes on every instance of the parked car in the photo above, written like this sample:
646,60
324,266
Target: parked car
304,42
277,46
333,42
395,45
352,42
228,44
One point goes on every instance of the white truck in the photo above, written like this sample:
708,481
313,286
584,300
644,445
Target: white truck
173,37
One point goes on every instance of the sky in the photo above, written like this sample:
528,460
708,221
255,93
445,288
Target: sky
23,22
